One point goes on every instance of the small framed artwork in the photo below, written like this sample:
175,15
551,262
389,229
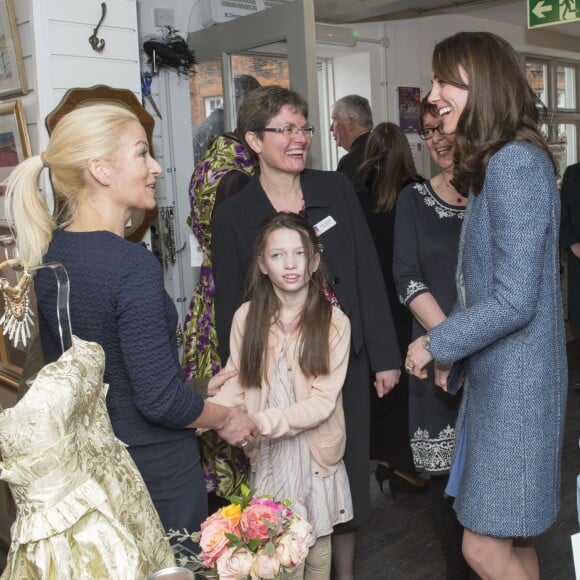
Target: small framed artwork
12,74
409,101
14,143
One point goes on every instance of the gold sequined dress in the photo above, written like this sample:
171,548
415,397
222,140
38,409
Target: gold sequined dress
83,510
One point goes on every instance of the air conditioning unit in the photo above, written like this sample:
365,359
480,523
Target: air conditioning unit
217,11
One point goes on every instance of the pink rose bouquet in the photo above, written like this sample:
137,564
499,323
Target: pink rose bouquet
253,538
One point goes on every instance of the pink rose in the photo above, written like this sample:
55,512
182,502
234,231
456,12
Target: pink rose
213,541
257,520
291,550
215,516
234,564
277,507
265,566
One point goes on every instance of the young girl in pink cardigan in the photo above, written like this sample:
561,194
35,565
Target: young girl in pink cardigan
290,347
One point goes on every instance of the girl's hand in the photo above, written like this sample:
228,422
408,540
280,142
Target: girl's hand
417,358
216,382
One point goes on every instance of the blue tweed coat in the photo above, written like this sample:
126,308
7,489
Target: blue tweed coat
510,324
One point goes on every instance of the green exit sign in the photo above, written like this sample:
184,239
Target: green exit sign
547,12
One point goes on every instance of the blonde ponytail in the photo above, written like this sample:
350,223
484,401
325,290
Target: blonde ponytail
27,212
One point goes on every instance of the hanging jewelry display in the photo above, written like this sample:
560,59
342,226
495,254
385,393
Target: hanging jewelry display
17,318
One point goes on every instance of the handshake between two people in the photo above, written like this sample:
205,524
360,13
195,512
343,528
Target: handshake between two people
233,424
239,427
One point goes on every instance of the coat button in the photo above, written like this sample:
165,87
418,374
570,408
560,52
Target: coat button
336,280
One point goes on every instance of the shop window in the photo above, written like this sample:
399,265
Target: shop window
566,87
556,85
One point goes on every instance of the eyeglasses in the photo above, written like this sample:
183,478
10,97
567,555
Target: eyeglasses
428,132
291,130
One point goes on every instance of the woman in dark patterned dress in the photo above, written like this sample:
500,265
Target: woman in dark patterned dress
427,227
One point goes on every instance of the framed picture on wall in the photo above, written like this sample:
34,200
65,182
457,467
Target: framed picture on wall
409,101
14,142
12,74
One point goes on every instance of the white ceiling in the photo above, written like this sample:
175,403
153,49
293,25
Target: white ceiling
512,11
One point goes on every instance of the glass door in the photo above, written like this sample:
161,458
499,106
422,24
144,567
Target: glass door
275,46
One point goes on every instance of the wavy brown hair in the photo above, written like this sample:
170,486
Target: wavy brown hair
314,322
388,165
501,106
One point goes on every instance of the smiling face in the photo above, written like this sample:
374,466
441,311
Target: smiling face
286,262
440,146
450,101
278,153
132,171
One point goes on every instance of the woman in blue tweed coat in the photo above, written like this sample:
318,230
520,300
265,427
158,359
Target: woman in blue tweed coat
509,317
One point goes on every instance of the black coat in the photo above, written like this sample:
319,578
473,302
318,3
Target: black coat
570,234
349,255
350,163
356,279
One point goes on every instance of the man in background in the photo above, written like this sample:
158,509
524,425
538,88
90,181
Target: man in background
352,122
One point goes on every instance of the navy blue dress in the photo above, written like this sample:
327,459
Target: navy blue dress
118,300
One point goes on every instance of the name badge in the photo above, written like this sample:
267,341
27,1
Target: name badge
324,225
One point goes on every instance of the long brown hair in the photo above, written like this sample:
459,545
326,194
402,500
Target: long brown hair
388,165
500,107
314,322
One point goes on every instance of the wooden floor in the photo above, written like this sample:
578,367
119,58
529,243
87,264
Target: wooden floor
399,544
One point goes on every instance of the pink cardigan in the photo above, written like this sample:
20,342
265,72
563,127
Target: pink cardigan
318,409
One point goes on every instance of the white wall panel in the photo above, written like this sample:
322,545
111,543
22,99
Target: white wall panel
120,13
69,38
86,72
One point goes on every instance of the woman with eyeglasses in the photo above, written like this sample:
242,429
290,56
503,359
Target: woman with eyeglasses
273,122
428,222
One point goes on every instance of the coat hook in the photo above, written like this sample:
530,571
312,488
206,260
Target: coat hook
98,44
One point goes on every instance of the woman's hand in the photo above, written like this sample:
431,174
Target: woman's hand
385,381
238,427
216,382
441,374
575,249
418,357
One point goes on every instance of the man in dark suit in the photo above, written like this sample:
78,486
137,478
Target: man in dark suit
352,122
